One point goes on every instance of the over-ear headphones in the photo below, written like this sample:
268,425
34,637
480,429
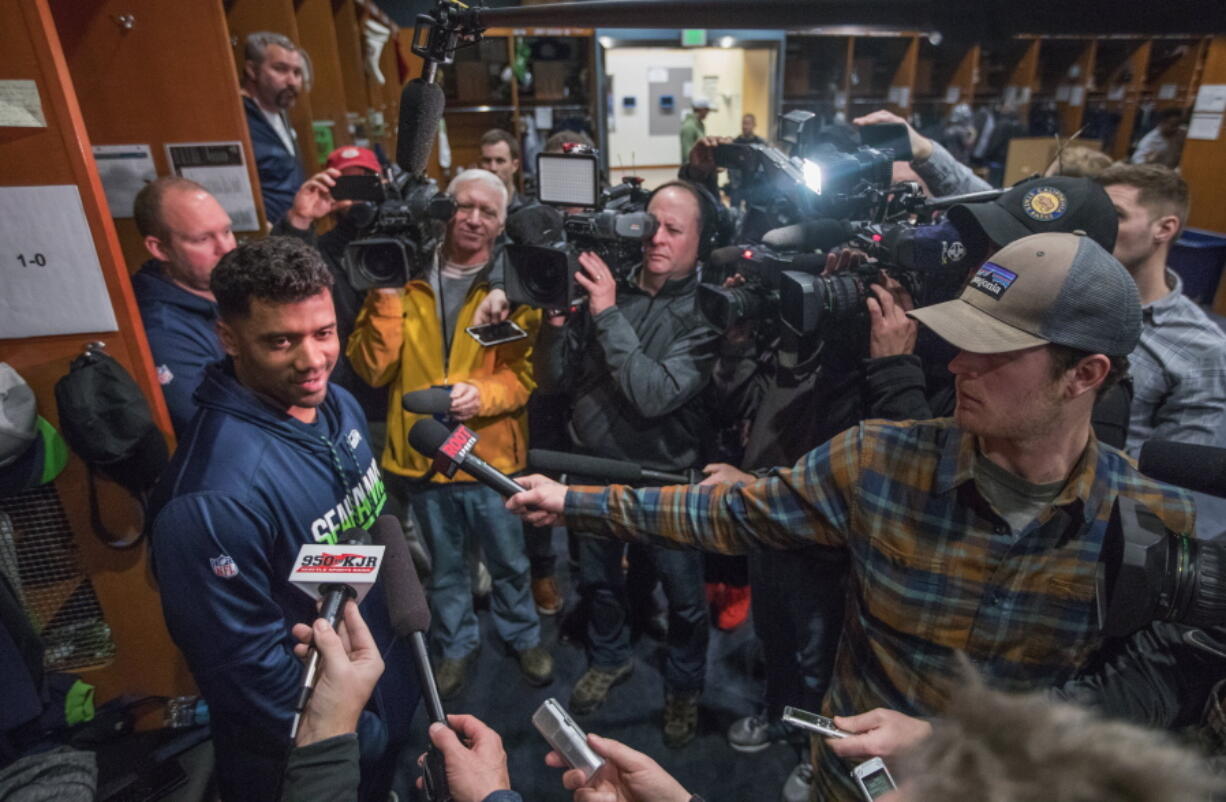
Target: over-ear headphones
709,211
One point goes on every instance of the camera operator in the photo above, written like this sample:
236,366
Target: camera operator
634,361
981,534
414,338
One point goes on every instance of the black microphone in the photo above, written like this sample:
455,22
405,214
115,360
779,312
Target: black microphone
332,608
452,450
431,401
535,225
421,107
1194,467
810,235
611,470
410,617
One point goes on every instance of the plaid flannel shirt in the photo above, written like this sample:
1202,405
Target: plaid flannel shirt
934,569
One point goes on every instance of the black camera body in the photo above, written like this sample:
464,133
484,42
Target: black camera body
398,235
612,224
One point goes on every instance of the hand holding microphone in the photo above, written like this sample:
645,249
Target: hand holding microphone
351,665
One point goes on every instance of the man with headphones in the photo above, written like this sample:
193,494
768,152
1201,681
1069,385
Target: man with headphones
634,362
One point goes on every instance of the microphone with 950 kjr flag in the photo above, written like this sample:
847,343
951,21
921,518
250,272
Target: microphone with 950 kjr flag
452,451
410,617
332,575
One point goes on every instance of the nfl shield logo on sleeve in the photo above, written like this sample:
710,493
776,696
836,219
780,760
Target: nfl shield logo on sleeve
224,566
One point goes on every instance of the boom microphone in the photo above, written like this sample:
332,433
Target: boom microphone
1195,467
611,470
421,108
431,401
452,450
811,235
410,616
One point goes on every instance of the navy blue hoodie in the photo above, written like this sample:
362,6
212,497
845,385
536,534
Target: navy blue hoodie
182,335
281,173
246,488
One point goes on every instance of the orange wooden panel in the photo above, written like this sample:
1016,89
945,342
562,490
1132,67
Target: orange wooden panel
249,16
1070,115
1136,66
904,76
146,661
1025,74
966,76
318,37
349,49
1184,74
135,89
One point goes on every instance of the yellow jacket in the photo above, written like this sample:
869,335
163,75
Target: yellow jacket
398,341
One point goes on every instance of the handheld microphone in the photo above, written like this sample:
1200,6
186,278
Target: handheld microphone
452,450
431,401
611,470
410,617
1195,467
334,576
421,108
810,235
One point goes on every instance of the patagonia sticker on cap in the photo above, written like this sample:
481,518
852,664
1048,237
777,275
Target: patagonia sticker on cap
1045,204
993,279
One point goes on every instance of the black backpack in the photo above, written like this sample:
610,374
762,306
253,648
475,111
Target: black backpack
106,420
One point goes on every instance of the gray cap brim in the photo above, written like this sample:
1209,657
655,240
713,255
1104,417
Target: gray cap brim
971,329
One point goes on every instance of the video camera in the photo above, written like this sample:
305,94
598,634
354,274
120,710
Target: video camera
611,223
398,234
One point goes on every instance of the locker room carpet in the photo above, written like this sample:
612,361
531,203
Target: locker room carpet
496,693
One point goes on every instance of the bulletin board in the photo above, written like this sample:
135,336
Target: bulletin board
674,81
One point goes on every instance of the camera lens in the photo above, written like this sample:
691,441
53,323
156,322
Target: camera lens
380,262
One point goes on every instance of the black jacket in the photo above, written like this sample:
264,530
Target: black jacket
635,375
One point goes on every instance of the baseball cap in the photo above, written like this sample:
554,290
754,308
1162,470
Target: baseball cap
353,156
31,450
1045,288
1039,205
701,103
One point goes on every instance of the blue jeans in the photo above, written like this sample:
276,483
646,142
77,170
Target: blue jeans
449,514
604,584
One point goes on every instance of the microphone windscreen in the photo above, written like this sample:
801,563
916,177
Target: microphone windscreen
1194,467
421,107
537,224
406,601
808,236
355,536
427,436
611,470
431,401
725,256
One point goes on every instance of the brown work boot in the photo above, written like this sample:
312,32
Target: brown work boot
593,687
680,718
537,665
546,595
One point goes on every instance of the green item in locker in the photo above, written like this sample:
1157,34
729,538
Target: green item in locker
324,141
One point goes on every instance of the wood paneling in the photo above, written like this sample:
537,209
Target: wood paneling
146,661
135,88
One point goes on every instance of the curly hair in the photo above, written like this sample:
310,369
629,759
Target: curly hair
278,270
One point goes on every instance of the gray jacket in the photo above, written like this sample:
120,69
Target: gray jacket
635,375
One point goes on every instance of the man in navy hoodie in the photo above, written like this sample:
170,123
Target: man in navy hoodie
187,232
274,73
275,457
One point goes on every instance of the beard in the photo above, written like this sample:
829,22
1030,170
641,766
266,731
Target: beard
286,98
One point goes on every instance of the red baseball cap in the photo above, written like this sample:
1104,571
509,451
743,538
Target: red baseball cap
353,156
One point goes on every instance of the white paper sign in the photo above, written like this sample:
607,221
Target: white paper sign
1116,93
51,278
657,75
904,96
1211,98
1167,92
1205,126
1076,95
20,106
124,169
1062,92
953,94
221,169
544,118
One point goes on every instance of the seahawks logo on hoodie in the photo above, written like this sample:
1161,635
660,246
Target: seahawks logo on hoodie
360,507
